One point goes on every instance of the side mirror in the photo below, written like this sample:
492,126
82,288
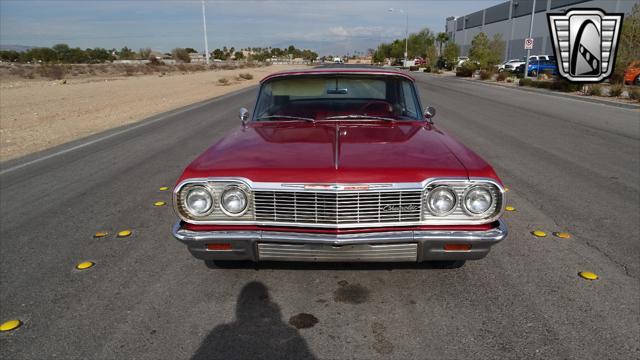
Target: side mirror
429,112
244,115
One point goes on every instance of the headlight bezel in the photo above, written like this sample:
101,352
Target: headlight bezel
489,208
217,215
430,194
221,204
185,200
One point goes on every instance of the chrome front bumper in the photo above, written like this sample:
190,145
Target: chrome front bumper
392,246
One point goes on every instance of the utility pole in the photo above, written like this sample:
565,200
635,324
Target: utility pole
206,43
526,65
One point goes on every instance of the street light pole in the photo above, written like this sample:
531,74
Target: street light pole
406,38
526,65
406,34
206,43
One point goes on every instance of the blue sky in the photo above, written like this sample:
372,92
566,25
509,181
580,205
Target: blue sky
325,26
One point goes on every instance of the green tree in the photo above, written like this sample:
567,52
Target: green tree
497,47
480,52
218,54
238,55
441,39
629,43
181,54
126,54
451,53
62,51
10,55
431,56
191,50
144,53
45,55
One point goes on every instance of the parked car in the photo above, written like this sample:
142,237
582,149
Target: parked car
462,60
337,60
542,66
419,61
509,65
339,164
541,58
632,73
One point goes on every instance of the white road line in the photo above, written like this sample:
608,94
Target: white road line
79,146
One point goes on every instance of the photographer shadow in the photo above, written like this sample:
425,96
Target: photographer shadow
257,333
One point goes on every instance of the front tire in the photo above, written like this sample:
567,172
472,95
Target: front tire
636,82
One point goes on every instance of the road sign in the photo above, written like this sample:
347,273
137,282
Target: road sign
528,43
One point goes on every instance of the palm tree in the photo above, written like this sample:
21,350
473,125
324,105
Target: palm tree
441,39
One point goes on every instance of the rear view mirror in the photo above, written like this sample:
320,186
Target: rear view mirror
244,115
429,112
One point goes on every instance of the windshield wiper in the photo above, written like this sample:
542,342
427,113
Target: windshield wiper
358,117
285,117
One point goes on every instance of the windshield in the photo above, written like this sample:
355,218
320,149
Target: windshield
338,97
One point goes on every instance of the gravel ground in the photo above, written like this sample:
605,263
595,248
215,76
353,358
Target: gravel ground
36,115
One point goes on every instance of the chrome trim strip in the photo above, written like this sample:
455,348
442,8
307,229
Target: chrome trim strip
468,236
342,188
323,252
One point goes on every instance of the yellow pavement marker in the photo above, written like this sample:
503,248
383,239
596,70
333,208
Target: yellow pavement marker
159,203
85,265
588,275
10,325
539,233
562,235
506,189
100,234
124,233
164,188
510,208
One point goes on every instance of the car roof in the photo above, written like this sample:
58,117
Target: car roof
340,69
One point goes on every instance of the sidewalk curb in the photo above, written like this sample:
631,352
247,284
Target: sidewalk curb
559,94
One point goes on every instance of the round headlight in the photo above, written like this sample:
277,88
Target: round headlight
233,201
198,201
441,201
478,200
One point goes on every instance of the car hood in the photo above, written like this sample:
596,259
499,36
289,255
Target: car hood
333,152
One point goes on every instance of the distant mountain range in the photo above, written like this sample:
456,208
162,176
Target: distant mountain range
10,47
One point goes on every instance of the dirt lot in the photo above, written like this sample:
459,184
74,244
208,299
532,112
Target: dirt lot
38,114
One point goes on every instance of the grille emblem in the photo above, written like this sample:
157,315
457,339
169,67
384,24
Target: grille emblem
396,208
585,43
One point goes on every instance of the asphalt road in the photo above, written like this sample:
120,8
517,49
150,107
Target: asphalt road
570,166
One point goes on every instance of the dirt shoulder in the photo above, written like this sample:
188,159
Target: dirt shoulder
38,114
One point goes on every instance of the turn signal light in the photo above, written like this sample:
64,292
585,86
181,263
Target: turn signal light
218,246
457,247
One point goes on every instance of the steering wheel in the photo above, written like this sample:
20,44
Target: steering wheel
369,104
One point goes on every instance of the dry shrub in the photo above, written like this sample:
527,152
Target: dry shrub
223,81
246,76
501,76
634,94
485,75
53,72
594,90
616,90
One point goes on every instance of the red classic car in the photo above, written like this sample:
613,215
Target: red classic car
339,164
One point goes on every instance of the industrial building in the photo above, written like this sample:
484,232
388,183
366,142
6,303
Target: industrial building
512,20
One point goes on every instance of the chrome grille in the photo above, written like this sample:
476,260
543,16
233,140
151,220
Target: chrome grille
338,208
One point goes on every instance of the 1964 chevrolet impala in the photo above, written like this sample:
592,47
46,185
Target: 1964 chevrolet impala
339,164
